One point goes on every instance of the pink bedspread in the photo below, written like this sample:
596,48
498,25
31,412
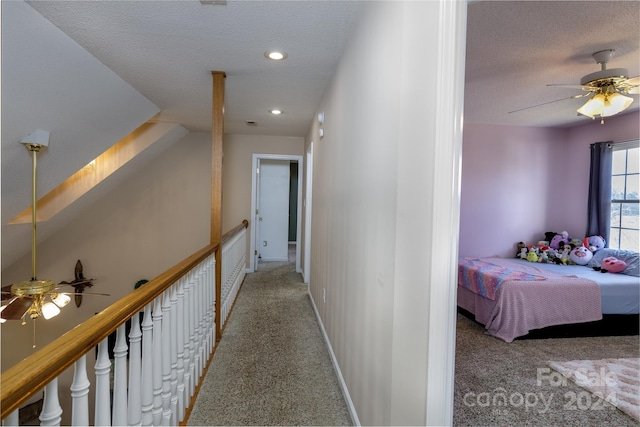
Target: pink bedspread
521,305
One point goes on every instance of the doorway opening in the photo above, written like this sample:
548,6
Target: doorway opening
276,208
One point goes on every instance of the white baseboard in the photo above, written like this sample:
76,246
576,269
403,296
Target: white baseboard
336,367
263,259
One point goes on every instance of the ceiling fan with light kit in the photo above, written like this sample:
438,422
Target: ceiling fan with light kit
36,298
608,89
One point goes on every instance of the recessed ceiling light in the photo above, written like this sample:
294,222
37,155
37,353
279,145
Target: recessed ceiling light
276,55
275,112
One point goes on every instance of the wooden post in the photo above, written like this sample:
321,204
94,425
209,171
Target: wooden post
217,131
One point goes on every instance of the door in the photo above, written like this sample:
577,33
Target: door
273,210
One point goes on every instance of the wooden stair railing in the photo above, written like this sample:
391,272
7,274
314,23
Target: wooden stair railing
42,368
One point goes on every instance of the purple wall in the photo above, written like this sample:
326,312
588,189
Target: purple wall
518,182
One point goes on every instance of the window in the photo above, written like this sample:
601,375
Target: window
625,186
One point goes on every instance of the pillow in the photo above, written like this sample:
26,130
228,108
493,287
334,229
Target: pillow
632,259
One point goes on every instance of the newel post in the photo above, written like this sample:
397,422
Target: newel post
217,131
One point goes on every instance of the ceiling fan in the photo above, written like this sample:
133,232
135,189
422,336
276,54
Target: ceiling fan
38,298
608,89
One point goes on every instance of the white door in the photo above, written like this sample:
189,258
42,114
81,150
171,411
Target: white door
273,210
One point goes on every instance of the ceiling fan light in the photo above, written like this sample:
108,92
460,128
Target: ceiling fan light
2,320
593,107
60,299
616,103
49,310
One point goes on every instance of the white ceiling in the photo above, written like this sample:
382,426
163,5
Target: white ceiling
166,50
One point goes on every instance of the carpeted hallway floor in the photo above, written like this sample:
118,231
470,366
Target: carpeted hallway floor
271,366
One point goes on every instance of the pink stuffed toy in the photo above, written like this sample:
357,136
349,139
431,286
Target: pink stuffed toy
612,265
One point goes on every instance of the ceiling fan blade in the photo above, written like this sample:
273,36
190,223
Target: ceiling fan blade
581,87
633,85
550,102
6,292
86,293
16,308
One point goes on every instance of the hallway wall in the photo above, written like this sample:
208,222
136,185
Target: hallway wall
373,210
237,173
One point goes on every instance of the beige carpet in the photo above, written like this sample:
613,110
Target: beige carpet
505,384
272,367
613,381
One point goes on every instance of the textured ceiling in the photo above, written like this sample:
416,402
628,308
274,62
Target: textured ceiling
516,48
166,50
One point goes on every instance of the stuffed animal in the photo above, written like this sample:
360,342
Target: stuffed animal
594,243
532,255
559,240
562,257
611,265
544,254
580,255
549,235
523,253
521,247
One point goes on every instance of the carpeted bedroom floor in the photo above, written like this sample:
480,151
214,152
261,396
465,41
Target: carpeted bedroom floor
490,372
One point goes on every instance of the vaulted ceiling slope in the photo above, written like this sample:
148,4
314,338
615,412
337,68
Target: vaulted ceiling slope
50,82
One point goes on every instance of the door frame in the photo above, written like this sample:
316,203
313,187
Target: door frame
306,273
253,264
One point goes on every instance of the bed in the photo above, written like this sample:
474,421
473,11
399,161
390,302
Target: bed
512,297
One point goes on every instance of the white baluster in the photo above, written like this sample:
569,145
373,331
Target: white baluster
174,353
147,367
119,414
197,298
103,386
188,360
180,347
12,419
212,307
166,359
80,393
202,316
207,320
134,416
157,366
51,414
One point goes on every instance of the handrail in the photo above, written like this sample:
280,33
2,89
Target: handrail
229,234
30,375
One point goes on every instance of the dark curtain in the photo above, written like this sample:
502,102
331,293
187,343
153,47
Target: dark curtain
599,209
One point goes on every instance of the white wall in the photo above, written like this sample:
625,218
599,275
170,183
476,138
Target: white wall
374,212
